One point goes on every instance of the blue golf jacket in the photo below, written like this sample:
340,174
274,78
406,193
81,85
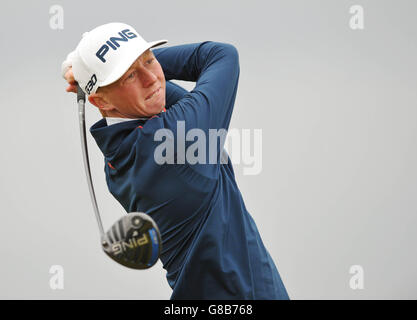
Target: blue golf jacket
211,247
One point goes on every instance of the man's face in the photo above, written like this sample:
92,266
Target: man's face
131,95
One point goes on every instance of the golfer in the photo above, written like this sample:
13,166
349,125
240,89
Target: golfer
211,247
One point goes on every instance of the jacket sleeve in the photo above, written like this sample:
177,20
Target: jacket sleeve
174,93
214,66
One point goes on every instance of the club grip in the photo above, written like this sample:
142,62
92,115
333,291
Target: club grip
80,94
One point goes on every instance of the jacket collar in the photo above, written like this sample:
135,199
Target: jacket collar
109,138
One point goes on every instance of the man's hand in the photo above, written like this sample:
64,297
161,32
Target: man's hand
66,72
72,84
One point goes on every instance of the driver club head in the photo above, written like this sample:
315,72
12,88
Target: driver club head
133,241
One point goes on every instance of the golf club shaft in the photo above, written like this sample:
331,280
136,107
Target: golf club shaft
81,115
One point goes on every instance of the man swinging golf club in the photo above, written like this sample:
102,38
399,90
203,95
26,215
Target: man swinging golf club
211,247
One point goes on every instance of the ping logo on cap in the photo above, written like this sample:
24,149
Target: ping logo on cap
125,35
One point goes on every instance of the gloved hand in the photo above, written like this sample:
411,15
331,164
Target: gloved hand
67,74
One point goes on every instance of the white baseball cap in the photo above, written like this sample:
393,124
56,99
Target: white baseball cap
104,54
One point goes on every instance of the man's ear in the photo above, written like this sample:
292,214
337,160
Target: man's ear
98,100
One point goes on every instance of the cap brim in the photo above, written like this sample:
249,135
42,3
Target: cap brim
126,63
157,43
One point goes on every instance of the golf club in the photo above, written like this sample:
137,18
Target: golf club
134,240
